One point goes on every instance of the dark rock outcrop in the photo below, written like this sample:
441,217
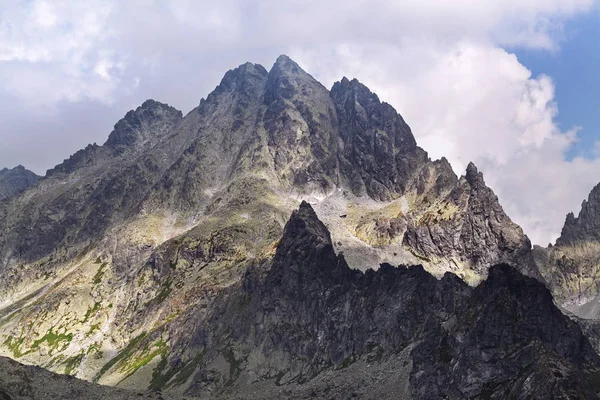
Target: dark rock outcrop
511,342
24,382
16,180
379,155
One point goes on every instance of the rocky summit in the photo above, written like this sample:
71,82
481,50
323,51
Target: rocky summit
166,259
571,266
14,181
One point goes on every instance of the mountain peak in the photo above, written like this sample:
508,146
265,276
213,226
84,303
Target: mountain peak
148,121
355,86
473,175
240,77
18,168
305,223
572,263
286,79
380,152
305,247
507,275
14,181
151,103
285,65
586,226
305,207
285,61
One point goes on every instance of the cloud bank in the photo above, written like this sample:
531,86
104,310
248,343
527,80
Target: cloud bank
69,70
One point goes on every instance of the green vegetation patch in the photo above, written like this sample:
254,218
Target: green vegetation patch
55,361
123,355
55,341
131,364
179,375
99,274
95,350
172,317
417,255
93,328
158,379
91,311
164,292
14,345
72,363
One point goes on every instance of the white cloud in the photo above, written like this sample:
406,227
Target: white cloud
43,14
440,63
58,42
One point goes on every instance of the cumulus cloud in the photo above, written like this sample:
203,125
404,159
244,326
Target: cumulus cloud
442,64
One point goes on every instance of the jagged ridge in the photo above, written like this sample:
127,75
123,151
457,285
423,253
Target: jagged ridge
306,315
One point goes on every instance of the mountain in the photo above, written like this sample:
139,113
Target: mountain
109,258
572,266
14,181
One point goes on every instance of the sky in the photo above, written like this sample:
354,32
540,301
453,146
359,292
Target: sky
508,84
574,70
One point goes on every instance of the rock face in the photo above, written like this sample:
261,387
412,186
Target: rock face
306,325
106,258
301,127
505,333
14,181
586,227
572,266
146,124
471,222
379,156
